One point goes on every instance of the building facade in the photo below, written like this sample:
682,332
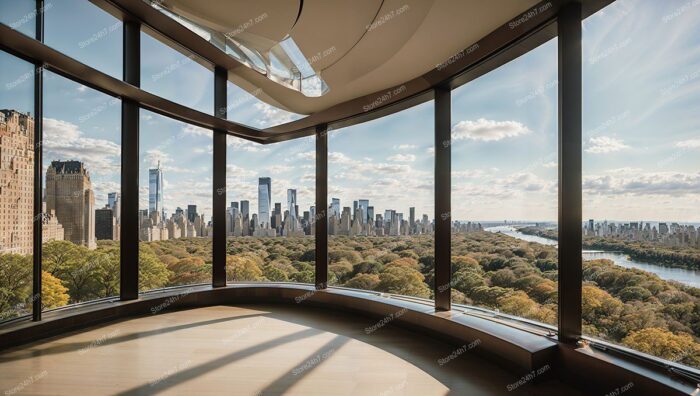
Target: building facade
16,182
69,194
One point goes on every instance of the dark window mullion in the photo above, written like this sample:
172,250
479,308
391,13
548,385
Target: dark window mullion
570,172
129,232
321,220
219,182
443,204
38,185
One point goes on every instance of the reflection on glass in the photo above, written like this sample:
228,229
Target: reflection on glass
82,166
83,31
21,15
16,186
176,74
270,222
504,188
381,197
640,178
175,203
284,63
245,108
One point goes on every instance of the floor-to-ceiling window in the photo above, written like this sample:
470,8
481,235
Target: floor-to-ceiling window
81,173
16,185
270,190
641,177
381,204
504,186
175,203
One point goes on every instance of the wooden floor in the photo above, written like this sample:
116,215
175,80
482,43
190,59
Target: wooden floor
254,350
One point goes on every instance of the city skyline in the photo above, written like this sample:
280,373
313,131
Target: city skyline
639,149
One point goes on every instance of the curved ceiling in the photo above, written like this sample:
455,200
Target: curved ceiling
359,46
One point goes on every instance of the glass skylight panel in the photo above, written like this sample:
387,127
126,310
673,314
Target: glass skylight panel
284,63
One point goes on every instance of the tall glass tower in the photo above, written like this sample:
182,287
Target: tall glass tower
292,205
364,205
155,191
264,201
335,208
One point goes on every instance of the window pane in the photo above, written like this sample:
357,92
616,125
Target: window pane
86,33
82,170
641,178
175,74
246,108
176,203
504,188
270,219
20,15
381,196
16,185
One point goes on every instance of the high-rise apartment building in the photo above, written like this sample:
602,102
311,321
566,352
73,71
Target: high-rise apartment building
245,209
192,213
155,191
264,201
105,223
16,182
335,208
292,204
364,205
69,194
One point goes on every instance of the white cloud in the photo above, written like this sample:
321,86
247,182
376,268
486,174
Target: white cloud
275,169
692,143
524,182
271,116
308,155
192,130
237,171
468,174
488,130
154,156
405,147
65,141
605,145
402,158
635,182
549,165
244,145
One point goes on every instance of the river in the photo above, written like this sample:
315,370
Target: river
685,276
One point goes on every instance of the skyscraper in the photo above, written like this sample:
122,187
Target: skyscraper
264,201
364,205
155,191
114,203
335,208
111,199
292,204
292,208
192,213
412,218
16,182
276,219
69,194
104,224
245,209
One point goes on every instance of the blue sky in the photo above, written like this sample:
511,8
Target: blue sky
641,95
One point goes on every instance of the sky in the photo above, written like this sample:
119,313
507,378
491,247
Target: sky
641,79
